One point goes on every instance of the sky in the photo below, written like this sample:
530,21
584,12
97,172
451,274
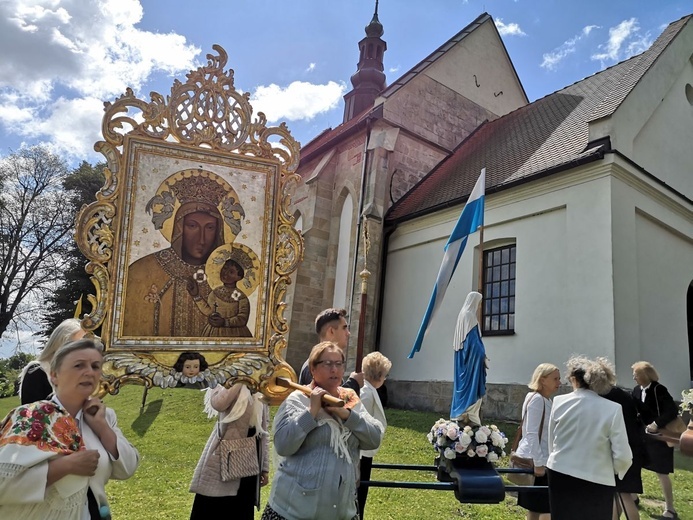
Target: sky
61,59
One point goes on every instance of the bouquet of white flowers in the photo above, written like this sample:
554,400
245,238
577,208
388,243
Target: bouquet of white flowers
687,401
452,441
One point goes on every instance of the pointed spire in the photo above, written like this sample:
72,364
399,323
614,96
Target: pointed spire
369,78
375,28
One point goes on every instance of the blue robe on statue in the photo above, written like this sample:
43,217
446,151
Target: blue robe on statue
469,382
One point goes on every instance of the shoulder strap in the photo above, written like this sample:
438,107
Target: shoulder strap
654,392
518,433
543,414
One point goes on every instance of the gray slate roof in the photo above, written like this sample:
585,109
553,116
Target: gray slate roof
545,136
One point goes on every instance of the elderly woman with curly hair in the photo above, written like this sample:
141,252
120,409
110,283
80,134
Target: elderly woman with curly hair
588,445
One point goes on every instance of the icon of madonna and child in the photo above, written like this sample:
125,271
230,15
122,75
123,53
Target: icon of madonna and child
199,286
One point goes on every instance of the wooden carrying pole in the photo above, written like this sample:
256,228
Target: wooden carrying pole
327,399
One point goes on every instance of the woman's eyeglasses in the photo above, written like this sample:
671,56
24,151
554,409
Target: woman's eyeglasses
330,364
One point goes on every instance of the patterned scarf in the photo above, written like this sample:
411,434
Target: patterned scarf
43,425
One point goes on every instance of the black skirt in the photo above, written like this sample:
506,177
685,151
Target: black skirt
576,499
632,480
535,501
660,457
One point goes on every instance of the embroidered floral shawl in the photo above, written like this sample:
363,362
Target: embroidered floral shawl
43,425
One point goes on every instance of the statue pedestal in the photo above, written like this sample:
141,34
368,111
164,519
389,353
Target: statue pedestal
477,480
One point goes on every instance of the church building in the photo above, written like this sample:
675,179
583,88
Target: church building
588,236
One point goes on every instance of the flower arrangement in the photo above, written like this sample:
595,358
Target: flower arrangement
687,401
452,441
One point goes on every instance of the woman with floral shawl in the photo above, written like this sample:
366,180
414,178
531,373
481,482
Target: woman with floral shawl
56,456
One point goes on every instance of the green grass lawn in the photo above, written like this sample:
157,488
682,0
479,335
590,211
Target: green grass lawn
172,430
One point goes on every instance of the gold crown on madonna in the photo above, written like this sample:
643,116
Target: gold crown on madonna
198,189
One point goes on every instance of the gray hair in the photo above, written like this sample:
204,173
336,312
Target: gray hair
596,375
73,346
62,334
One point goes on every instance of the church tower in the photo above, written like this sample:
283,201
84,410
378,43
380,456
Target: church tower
369,78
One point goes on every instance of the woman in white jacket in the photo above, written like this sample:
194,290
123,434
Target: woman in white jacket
534,443
375,367
588,445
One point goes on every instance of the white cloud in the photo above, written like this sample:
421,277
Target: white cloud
625,40
311,67
394,69
84,52
298,101
551,60
510,29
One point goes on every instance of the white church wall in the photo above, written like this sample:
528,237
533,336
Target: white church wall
653,266
665,269
564,281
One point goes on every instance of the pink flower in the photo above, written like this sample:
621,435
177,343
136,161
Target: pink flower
482,450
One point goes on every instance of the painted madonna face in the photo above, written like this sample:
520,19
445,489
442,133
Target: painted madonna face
199,237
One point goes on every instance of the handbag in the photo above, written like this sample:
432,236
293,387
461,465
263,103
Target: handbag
516,461
675,427
238,458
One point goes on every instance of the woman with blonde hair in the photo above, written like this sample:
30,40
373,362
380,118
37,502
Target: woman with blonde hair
241,414
588,445
376,368
534,443
34,384
657,409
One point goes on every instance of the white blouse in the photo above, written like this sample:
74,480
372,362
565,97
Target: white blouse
531,446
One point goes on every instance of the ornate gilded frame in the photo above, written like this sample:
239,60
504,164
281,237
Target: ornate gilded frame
167,158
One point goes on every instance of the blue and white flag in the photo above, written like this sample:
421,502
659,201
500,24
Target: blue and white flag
471,219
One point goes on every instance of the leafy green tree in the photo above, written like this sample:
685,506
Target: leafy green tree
81,185
35,231
10,370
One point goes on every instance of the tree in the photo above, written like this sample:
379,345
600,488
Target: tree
81,185
10,370
35,231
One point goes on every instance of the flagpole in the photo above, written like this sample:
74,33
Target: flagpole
480,281
470,220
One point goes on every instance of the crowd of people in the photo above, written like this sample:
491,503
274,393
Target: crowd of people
590,445
60,447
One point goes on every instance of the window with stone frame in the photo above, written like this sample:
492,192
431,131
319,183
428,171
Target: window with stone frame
498,310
